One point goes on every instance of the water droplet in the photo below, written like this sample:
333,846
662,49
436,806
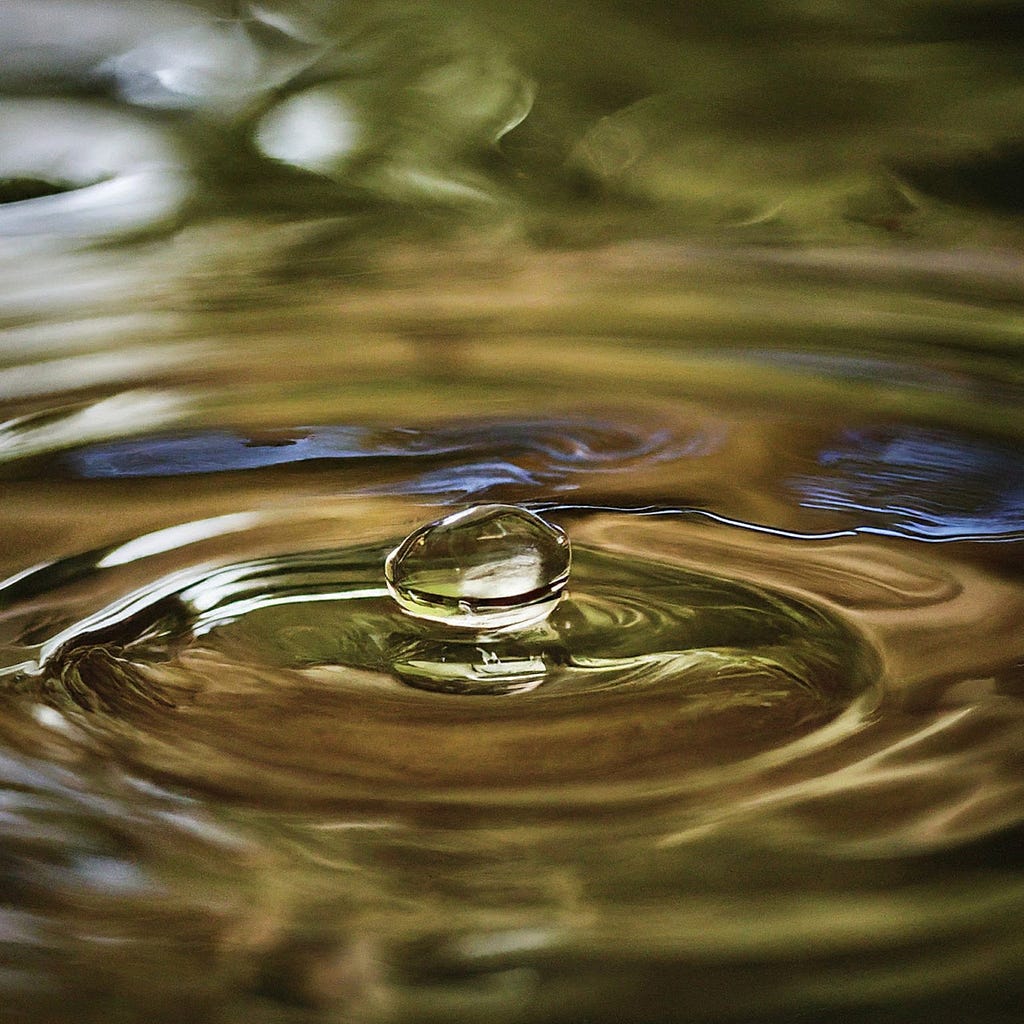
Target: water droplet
489,567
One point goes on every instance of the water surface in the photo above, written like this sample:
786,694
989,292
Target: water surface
733,300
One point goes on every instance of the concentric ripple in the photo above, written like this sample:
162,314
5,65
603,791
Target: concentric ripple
645,676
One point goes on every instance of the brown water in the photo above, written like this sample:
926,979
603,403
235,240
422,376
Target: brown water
270,310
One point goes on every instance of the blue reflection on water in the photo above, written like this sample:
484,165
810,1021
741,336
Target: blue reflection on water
216,451
467,479
466,458
931,484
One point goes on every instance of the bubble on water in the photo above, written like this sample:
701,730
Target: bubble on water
489,567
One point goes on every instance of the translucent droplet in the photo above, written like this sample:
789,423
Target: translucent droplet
490,567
